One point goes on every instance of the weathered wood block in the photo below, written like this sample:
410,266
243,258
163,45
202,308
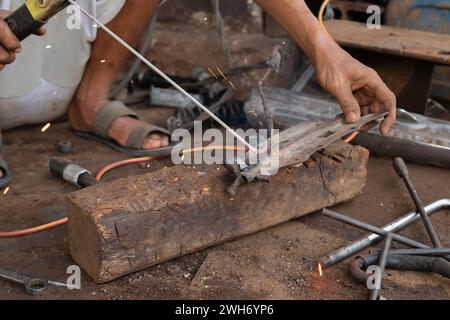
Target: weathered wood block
132,223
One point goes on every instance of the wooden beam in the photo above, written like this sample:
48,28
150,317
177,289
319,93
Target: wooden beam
132,223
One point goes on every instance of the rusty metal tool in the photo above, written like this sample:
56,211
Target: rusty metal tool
393,226
31,285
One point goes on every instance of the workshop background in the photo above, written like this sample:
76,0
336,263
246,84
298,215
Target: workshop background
280,262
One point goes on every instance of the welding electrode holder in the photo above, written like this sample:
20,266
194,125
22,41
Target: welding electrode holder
32,15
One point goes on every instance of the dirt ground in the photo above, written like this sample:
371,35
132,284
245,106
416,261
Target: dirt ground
279,263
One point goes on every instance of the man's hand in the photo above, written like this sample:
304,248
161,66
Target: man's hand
9,44
358,88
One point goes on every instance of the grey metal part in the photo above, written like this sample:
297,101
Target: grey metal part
394,226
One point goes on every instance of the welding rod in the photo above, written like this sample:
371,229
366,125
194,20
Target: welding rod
394,226
374,294
402,172
370,228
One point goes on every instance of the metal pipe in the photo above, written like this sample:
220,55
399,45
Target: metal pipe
374,294
434,252
394,226
403,173
370,228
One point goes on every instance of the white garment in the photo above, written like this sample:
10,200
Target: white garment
40,84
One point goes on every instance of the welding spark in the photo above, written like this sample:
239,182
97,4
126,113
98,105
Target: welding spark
6,191
46,127
319,266
102,61
48,46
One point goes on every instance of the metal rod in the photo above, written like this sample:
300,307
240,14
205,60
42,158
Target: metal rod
394,226
402,172
370,228
374,294
163,75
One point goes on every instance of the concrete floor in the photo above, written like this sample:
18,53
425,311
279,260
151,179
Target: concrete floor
278,263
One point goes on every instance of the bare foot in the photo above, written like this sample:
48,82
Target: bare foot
81,118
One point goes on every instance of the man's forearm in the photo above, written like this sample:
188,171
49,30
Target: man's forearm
108,57
296,18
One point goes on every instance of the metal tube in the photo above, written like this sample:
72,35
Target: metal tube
370,228
394,226
163,75
382,264
435,252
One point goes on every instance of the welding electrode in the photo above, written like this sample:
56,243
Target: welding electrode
32,15
72,173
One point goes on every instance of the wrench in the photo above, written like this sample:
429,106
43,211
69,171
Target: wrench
32,285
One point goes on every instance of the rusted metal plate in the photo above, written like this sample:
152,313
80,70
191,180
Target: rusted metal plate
421,45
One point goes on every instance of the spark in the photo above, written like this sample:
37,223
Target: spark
102,61
46,127
212,72
48,46
206,189
6,191
232,85
319,266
